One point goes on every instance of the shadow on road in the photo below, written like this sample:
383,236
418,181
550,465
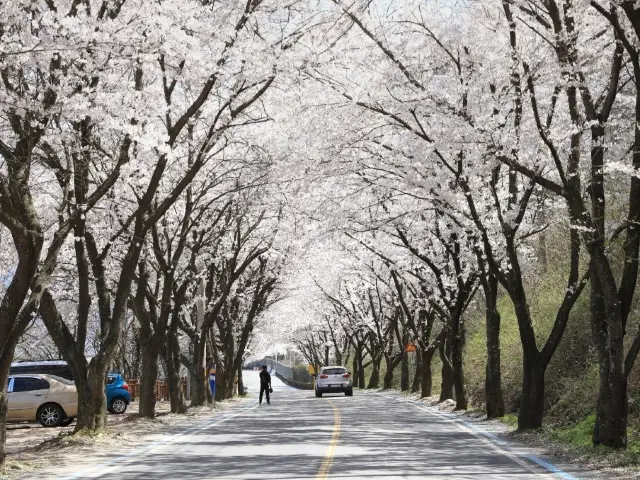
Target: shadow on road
380,438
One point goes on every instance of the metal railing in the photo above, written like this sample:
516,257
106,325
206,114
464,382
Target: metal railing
294,384
285,374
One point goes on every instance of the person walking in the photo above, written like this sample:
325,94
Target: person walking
265,384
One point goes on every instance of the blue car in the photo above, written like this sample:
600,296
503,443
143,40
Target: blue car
118,395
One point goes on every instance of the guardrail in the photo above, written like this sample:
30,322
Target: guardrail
291,383
285,370
284,373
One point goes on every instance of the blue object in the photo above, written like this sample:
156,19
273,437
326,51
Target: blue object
212,385
118,395
212,379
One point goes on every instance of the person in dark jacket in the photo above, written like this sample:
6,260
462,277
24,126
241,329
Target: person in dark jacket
265,384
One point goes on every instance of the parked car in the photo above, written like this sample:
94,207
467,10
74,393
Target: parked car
117,390
334,380
48,399
118,395
58,368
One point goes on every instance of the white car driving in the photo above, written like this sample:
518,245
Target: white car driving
335,379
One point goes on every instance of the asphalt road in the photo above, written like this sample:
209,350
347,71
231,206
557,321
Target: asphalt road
299,436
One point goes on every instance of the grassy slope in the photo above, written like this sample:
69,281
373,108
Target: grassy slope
572,375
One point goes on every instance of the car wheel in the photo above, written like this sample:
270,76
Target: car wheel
118,406
318,393
51,415
349,393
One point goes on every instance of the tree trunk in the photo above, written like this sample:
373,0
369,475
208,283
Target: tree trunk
230,374
355,375
374,380
457,348
92,401
172,361
388,376
417,377
5,365
361,378
533,367
404,372
541,250
610,428
201,386
446,387
222,382
149,379
494,399
427,378
176,395
610,305
532,400
240,382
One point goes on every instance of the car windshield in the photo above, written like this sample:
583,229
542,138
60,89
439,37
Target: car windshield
62,380
111,379
334,371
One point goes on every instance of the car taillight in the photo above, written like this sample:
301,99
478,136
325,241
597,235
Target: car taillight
346,375
125,386
324,376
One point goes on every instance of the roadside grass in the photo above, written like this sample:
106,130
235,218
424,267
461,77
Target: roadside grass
510,419
578,435
574,443
578,438
14,467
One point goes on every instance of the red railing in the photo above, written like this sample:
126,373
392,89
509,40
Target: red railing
162,388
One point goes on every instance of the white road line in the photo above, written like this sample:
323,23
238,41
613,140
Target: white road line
524,464
123,460
551,471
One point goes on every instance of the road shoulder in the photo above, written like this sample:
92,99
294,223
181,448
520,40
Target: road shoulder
64,453
527,448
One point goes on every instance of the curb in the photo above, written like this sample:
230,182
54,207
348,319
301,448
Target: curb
500,444
123,460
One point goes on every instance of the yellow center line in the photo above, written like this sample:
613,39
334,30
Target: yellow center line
328,456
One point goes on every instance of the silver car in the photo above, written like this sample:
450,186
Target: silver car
334,380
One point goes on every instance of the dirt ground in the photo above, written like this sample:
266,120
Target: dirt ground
31,447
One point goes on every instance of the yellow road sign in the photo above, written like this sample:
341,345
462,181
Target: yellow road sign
311,369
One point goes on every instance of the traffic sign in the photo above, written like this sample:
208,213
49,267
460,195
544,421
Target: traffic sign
311,369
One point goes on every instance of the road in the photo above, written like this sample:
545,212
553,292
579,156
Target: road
299,436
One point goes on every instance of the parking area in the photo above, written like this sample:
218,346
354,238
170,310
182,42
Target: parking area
23,437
